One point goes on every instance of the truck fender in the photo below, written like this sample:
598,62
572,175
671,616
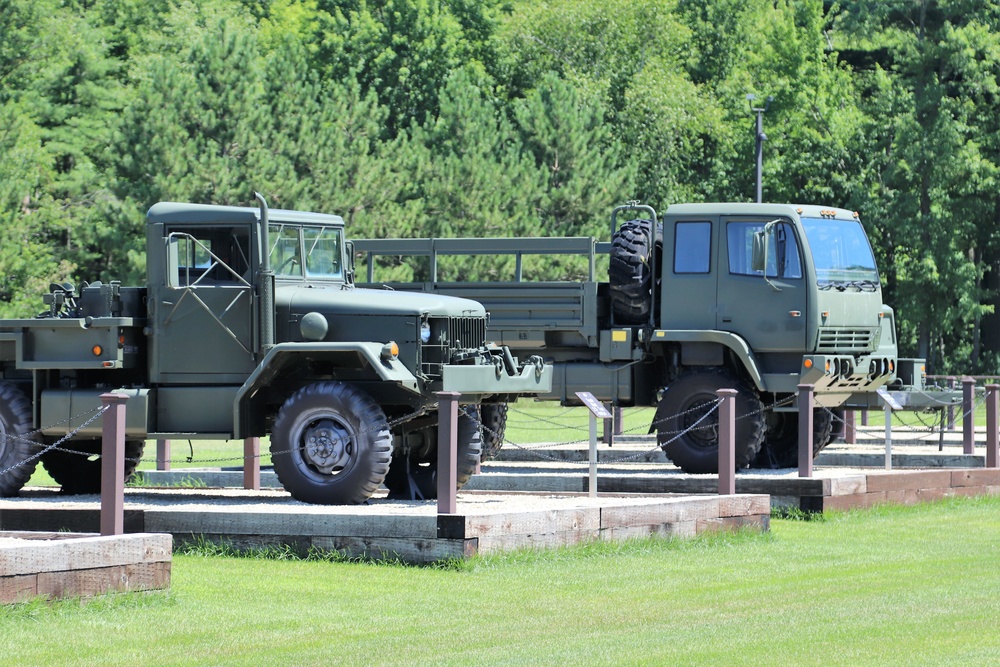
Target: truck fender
279,357
728,340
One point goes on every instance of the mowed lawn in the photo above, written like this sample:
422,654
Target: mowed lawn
890,586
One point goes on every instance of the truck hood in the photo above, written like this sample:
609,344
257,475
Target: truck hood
849,308
340,301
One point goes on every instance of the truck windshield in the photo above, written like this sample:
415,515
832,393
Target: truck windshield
321,247
841,253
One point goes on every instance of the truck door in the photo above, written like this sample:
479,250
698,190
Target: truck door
204,314
689,271
767,308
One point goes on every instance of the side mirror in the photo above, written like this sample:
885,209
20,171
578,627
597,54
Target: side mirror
173,277
349,251
758,258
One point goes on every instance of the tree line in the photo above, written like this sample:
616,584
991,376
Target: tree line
510,118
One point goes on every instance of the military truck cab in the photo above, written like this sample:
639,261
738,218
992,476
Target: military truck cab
754,297
795,285
250,325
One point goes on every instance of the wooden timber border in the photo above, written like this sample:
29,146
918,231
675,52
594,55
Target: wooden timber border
408,531
826,490
58,565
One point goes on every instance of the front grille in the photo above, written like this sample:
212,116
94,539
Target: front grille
450,335
859,339
466,333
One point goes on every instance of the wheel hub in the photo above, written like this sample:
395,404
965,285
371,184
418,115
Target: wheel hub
327,446
704,430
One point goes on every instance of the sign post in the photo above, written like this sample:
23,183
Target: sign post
890,405
597,411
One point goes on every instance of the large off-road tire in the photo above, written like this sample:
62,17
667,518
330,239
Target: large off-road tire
630,275
413,474
17,442
494,421
781,441
81,473
693,445
331,444
838,430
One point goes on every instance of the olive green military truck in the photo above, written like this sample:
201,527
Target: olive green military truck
755,297
250,325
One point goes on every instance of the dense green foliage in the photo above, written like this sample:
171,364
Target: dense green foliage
508,117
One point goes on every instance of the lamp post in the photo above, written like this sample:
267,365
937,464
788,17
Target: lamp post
761,138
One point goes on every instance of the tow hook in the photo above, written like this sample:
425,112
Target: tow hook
539,364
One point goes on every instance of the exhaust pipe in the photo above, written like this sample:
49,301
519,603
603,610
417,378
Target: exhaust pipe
265,283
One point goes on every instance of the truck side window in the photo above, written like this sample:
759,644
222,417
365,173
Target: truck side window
322,252
692,247
193,257
231,262
783,259
286,252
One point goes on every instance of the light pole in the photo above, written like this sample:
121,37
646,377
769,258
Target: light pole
761,138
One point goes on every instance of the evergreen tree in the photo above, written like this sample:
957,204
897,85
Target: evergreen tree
476,179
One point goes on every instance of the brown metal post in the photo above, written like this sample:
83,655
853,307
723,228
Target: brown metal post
163,455
447,471
968,415
992,435
850,427
113,464
251,464
864,418
805,430
727,441
613,426
951,408
608,432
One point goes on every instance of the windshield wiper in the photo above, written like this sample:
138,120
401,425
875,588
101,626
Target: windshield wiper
844,285
864,285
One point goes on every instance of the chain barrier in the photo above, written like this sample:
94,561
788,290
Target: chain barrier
624,459
374,427
674,435
979,401
55,445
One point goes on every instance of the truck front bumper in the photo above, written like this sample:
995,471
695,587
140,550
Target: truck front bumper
477,381
836,377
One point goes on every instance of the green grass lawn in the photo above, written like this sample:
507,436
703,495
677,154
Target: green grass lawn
891,586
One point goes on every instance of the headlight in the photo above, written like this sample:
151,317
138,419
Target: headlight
425,332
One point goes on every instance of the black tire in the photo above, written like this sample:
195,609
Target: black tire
781,442
81,473
494,420
331,445
17,442
693,446
630,275
838,431
413,474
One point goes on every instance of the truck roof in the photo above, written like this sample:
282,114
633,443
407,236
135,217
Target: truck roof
213,214
751,208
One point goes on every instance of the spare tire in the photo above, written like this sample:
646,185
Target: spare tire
630,275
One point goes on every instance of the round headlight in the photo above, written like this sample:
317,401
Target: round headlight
425,332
